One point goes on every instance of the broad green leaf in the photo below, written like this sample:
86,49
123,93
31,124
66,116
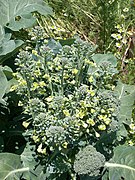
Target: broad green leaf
8,48
20,9
26,21
8,72
2,32
10,166
3,85
68,41
103,58
126,96
122,165
27,156
28,160
6,80
54,45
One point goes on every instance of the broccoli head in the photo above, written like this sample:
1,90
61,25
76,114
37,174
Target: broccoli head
89,162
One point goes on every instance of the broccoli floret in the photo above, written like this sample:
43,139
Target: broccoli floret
89,162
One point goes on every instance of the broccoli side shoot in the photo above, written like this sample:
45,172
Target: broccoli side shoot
89,162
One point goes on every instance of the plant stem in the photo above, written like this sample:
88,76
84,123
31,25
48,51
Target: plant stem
16,171
115,165
62,81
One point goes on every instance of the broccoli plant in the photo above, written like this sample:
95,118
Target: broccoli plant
67,91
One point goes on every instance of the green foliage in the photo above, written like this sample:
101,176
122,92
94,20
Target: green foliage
89,162
22,166
22,11
6,80
122,165
93,20
68,93
126,95
15,17
10,166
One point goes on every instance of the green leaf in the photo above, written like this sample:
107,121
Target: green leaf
27,156
122,165
26,21
9,10
10,166
101,58
8,72
54,45
2,32
8,48
28,160
126,96
3,85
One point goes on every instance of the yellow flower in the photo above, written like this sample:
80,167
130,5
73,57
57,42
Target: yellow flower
22,82
125,9
91,92
102,127
90,79
118,45
51,148
102,111
34,52
92,111
38,63
111,109
42,84
73,82
132,131
46,76
114,36
87,61
13,88
25,124
100,117
90,121
75,71
58,68
122,16
84,124
20,103
37,73
119,36
66,112
83,103
35,86
66,76
107,121
35,138
132,126
15,74
39,149
97,134
49,99
118,26
130,143
81,114
65,145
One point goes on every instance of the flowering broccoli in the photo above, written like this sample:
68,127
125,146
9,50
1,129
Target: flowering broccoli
89,162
